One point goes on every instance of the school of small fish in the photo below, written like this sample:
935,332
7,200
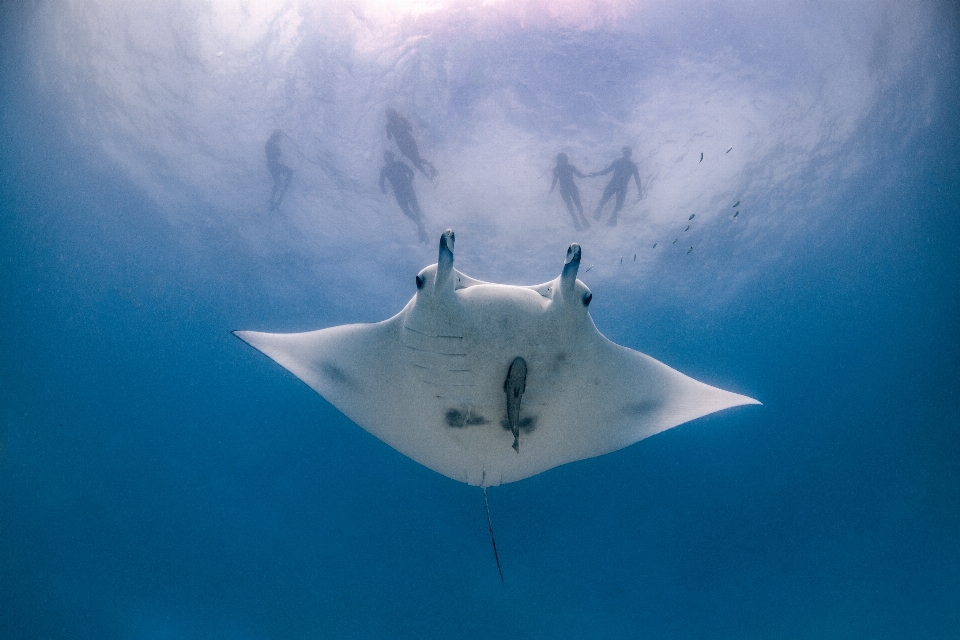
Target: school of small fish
692,216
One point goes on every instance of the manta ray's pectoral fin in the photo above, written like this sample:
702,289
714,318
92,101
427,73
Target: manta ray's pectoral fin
514,386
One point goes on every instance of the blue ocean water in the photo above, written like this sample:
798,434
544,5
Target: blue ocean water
160,479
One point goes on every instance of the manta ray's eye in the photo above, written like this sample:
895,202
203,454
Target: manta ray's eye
420,281
587,297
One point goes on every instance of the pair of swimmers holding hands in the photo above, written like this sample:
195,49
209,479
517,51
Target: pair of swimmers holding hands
623,168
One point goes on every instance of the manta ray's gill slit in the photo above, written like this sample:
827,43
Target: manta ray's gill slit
450,345
448,384
439,353
445,345
433,335
438,372
449,370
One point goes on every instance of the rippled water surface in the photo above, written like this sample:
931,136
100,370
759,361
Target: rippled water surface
796,241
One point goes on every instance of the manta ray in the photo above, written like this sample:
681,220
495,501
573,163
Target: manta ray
491,383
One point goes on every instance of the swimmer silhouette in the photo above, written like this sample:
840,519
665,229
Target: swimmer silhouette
563,173
399,128
281,173
401,178
623,169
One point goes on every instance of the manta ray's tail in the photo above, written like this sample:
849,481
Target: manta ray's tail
492,539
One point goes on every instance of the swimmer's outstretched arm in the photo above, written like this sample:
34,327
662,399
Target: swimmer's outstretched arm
604,172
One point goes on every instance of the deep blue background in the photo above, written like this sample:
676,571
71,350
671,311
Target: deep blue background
158,479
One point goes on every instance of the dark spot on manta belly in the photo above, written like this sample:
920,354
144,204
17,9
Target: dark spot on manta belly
527,424
337,375
459,419
641,408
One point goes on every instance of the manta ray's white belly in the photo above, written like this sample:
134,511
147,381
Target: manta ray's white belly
458,356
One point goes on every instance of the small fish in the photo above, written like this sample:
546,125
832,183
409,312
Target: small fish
588,268
635,255
675,241
736,214
621,259
701,157
736,205
654,246
687,229
689,250
692,216
730,149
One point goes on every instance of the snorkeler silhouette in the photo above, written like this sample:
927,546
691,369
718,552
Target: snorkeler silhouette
623,169
281,173
399,127
563,173
401,178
